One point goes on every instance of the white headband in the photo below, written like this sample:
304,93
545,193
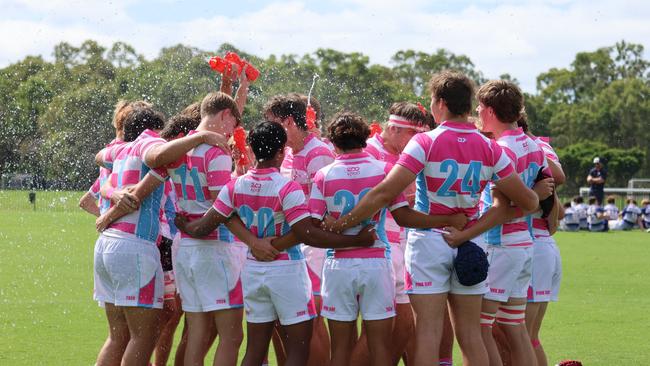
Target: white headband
397,121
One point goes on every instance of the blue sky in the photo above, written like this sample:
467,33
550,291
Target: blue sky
522,38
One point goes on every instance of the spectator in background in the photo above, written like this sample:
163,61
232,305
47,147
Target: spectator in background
580,209
571,221
596,216
631,216
596,180
645,207
611,211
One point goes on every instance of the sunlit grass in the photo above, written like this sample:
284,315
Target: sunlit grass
47,316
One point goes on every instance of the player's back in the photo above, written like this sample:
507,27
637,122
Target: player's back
202,171
302,165
267,203
528,160
338,187
128,169
459,162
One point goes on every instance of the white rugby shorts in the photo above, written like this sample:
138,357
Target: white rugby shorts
547,271
277,291
208,275
430,266
510,272
353,286
127,272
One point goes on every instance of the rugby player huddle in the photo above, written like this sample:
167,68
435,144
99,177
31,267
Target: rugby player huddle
332,228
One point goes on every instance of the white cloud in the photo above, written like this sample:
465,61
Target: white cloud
520,38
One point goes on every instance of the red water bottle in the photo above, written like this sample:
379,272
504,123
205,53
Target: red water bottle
239,135
251,72
219,64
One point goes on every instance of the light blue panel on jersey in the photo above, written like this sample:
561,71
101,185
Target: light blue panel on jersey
492,236
295,253
421,193
148,225
530,174
170,214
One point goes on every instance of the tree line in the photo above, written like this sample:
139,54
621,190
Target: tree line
55,115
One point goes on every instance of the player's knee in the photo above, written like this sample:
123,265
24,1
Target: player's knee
511,314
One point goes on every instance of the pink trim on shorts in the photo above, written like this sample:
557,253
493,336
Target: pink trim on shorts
315,281
408,281
236,295
146,293
361,253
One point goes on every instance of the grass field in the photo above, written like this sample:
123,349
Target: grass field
47,316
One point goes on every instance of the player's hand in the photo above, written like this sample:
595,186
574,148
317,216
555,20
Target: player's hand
214,139
458,221
243,78
544,188
124,200
454,237
102,223
367,236
263,250
180,221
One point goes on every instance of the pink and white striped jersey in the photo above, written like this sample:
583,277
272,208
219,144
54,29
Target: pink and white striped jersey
375,147
453,164
268,204
528,159
202,170
128,169
104,173
549,152
301,166
338,187
540,225
168,207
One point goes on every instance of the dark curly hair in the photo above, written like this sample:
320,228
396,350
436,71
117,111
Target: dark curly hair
348,130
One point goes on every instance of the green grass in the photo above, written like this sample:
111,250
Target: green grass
47,316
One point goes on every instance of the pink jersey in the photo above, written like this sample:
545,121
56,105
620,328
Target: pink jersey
104,173
128,169
540,225
339,186
453,164
267,203
301,166
528,159
375,147
203,170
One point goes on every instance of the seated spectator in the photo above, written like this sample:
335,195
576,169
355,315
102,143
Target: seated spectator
645,208
596,216
631,216
570,222
611,212
580,209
